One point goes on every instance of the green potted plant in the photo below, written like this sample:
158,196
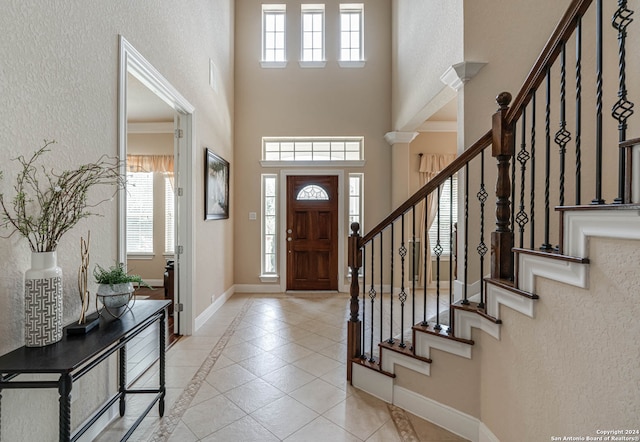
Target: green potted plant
116,287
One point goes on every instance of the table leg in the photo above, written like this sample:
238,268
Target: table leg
163,330
64,388
122,358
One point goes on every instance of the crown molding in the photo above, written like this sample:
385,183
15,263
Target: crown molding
400,137
458,74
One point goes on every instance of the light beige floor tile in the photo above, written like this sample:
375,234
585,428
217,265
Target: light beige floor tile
322,430
263,364
284,416
254,395
243,430
387,433
186,357
288,378
269,341
222,362
194,343
291,352
182,433
338,378
175,377
336,334
205,392
337,351
212,415
315,342
359,414
241,351
317,364
319,395
293,334
229,378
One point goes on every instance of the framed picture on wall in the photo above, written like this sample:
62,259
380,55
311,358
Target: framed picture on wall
216,186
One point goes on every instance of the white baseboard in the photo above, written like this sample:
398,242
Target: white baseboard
376,384
216,303
442,415
155,282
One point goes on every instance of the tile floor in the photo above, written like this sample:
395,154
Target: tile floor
269,368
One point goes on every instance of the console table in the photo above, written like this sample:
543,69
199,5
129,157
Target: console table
75,355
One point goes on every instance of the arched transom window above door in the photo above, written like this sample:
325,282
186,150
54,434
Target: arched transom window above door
312,192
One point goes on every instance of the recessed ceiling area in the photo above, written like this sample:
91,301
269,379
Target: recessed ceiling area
443,120
144,106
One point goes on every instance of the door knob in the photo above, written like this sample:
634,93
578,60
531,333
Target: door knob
289,239
289,231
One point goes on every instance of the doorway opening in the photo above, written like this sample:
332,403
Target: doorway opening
136,74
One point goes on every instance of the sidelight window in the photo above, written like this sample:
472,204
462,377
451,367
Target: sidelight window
269,225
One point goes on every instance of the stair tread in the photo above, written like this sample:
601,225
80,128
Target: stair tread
508,285
552,255
407,350
474,307
442,333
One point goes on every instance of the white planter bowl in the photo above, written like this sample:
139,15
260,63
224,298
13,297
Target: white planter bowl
115,296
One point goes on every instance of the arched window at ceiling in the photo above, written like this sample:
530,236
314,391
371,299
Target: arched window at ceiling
312,192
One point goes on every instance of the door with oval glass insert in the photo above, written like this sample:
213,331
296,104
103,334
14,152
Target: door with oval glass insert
312,233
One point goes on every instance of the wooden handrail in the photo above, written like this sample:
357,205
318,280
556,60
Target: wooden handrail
550,52
432,185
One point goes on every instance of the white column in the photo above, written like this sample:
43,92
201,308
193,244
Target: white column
400,163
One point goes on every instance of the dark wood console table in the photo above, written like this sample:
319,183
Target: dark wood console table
75,355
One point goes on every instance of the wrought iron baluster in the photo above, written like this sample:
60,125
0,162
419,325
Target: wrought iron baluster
438,251
372,296
390,340
547,154
513,192
414,266
403,295
451,252
465,300
425,277
523,157
623,108
532,177
578,109
563,136
482,247
364,302
381,287
599,37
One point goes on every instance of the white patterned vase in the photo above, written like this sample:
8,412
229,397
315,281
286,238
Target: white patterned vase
43,300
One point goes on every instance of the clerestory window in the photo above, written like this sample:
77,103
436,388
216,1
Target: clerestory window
274,35
312,35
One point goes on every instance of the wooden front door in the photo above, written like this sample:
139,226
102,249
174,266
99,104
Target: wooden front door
312,233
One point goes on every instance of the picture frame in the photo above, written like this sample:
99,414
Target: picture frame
216,181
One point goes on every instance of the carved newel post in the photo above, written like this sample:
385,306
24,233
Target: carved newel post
353,325
503,148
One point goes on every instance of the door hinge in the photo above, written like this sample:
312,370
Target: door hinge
179,133
179,307
180,191
180,250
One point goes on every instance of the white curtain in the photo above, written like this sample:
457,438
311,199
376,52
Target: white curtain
150,163
430,166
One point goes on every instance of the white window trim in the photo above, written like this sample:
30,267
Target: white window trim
316,8
268,277
312,140
273,64
281,164
347,7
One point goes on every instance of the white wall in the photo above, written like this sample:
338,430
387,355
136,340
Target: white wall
58,80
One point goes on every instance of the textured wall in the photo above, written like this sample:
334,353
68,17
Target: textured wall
574,368
58,80
427,39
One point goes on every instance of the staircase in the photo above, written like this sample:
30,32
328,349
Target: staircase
543,342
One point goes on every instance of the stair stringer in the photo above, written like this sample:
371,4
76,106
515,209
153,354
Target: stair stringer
465,320
390,358
497,296
579,225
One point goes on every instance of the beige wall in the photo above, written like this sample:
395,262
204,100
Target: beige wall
59,81
292,101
